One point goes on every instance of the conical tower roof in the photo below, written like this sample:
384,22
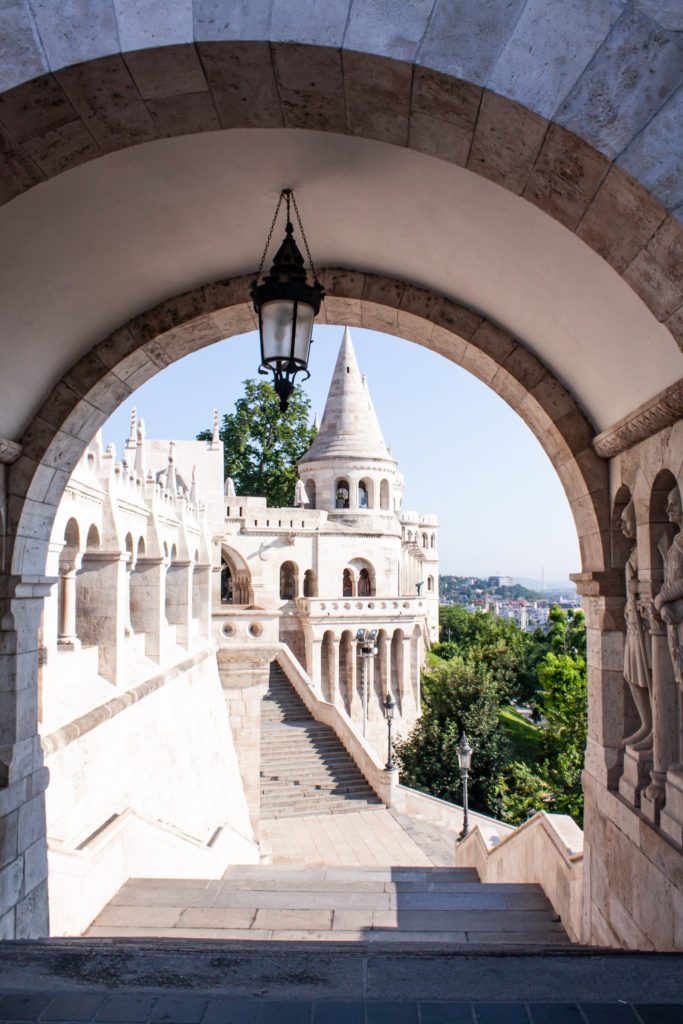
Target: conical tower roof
349,427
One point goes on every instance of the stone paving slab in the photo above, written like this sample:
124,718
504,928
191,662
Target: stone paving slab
321,973
172,1008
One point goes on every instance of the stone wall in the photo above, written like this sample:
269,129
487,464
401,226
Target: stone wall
163,750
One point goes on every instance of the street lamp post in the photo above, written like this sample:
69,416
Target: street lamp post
389,709
365,638
464,760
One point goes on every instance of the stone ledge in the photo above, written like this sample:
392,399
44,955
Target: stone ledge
648,419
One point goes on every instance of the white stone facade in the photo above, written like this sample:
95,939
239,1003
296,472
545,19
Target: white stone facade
348,557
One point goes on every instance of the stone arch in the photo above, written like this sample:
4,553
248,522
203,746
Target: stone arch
235,577
92,542
366,493
310,493
396,670
346,669
342,493
420,107
430,584
289,581
310,584
384,494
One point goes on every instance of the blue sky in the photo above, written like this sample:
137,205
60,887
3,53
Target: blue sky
464,453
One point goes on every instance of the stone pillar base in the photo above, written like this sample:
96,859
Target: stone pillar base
652,798
70,643
636,774
671,817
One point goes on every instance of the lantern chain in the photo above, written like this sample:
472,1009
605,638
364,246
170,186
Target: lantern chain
303,235
270,235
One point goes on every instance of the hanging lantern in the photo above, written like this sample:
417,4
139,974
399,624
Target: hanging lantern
286,305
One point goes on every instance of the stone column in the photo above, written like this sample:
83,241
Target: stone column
407,699
664,719
334,673
101,610
147,599
244,676
201,598
314,662
179,599
23,778
609,712
67,640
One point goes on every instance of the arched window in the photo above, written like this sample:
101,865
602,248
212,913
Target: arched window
310,584
347,583
364,584
430,583
433,541
363,497
384,494
287,581
425,542
310,493
342,494
227,591
93,540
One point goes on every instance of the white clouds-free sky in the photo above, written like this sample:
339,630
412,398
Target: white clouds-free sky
464,453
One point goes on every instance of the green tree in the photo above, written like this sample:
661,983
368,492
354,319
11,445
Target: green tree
457,695
262,444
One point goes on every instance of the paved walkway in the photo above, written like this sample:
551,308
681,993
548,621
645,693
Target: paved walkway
372,838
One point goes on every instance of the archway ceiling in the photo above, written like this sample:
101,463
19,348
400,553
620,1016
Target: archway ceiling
611,71
96,245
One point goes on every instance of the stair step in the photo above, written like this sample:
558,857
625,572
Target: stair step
305,769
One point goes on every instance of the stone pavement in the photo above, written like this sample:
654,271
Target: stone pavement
228,983
372,838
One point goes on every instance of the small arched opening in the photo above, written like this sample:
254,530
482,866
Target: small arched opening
342,494
310,584
384,495
365,494
288,581
310,493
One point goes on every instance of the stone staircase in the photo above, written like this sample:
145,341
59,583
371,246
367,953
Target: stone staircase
395,906
304,768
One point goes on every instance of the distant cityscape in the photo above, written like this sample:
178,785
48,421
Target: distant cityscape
510,599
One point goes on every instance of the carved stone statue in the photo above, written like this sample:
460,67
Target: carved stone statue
669,600
300,496
229,489
637,671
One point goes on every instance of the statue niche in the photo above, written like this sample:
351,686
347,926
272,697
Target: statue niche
669,600
637,664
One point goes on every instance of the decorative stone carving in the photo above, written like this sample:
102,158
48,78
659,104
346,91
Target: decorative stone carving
9,450
637,670
669,600
661,411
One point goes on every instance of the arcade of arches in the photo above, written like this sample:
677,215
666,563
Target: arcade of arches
531,236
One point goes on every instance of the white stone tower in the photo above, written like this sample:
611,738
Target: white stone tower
348,471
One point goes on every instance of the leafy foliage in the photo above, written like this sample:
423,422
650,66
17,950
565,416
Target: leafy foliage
262,444
510,654
517,768
457,695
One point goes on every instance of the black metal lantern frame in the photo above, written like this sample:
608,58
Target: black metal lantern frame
286,305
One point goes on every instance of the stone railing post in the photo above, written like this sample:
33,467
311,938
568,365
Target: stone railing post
179,599
201,597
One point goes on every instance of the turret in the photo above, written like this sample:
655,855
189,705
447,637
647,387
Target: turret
348,471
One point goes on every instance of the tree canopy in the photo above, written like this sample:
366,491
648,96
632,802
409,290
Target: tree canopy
262,445
518,767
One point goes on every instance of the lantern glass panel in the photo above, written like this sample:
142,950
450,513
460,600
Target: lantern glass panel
304,330
276,324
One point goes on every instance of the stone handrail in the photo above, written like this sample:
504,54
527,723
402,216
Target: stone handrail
349,607
546,850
